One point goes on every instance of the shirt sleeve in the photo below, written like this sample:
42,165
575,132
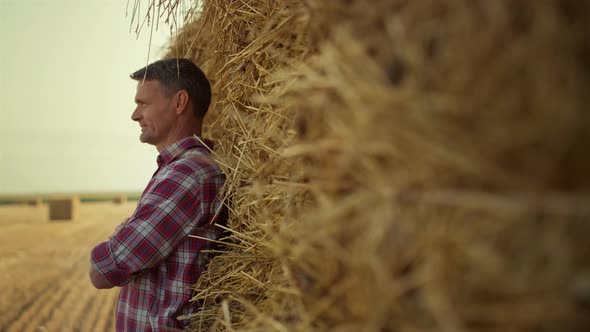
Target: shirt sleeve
176,203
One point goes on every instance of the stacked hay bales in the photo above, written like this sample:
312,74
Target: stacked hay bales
63,208
399,166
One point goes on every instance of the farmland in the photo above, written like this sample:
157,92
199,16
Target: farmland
45,285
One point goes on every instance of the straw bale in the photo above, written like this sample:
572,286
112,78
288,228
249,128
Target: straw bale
35,201
444,168
398,166
64,208
120,199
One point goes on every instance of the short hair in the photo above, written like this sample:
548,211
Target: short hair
175,74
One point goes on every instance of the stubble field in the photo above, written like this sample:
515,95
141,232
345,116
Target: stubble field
44,269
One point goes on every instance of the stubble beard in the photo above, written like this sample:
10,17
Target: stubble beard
144,137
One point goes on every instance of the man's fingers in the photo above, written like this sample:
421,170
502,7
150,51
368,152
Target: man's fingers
118,228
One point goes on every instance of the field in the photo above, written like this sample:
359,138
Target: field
45,285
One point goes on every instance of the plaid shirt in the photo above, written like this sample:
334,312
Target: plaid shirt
152,258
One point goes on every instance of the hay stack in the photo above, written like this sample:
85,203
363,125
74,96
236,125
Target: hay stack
444,168
120,199
399,166
64,208
35,201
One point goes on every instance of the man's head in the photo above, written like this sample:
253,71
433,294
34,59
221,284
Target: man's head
177,74
172,98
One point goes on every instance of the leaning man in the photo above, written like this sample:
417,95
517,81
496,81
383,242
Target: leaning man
152,255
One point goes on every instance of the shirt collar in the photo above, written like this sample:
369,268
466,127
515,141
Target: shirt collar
177,149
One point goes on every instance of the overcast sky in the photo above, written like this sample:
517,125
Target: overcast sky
66,97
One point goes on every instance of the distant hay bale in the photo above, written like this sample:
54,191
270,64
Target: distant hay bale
399,166
64,208
35,201
120,199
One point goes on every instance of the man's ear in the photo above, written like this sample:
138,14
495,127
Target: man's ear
182,99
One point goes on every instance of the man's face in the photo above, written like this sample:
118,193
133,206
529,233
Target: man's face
154,112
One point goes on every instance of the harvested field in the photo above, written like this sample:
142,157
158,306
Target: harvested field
45,285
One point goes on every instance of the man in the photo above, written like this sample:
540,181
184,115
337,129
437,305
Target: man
151,255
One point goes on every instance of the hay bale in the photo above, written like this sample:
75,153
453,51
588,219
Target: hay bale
35,201
64,208
403,166
443,168
120,199
441,193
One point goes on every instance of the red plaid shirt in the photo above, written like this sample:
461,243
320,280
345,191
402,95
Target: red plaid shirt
152,258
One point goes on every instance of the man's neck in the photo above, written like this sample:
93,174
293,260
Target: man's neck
184,128
177,137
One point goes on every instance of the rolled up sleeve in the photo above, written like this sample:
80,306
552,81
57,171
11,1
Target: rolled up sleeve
105,264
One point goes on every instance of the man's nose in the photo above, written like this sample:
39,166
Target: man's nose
135,115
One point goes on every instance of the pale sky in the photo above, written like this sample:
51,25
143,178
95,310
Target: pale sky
66,97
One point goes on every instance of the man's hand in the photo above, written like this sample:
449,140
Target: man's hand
119,227
98,280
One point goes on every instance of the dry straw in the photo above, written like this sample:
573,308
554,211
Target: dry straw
398,165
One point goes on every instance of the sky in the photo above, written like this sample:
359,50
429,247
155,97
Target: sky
66,97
